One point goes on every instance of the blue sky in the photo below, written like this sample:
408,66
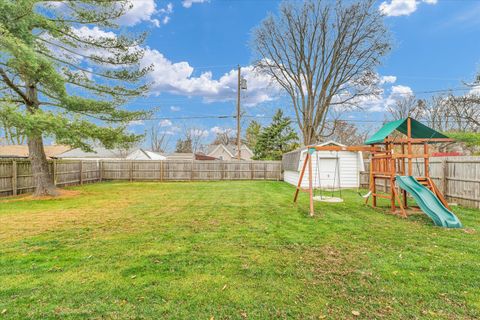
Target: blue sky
196,45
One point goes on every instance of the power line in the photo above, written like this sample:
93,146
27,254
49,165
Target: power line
270,117
413,93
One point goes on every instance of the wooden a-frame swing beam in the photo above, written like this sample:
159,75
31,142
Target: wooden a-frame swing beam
346,148
308,161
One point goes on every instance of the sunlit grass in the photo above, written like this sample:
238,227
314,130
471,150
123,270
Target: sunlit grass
229,250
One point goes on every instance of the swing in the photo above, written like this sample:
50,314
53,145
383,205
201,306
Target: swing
366,195
321,197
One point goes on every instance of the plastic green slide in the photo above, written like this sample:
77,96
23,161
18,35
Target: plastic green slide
429,203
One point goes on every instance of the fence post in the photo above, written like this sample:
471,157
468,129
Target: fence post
14,177
264,170
100,170
131,171
191,170
221,170
251,170
444,177
81,172
54,172
161,170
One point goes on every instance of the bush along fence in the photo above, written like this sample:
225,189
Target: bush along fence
458,178
16,175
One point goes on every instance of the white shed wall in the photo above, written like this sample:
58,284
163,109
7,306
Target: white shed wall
350,165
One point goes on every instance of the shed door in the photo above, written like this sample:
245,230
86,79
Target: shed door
329,173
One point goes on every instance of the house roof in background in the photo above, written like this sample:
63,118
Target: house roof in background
230,148
154,155
200,156
419,131
141,154
21,151
98,152
180,156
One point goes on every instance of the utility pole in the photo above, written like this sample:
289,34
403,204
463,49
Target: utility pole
239,152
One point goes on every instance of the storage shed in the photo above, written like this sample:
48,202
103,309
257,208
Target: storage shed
331,169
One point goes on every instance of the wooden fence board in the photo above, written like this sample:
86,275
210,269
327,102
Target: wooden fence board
457,177
73,172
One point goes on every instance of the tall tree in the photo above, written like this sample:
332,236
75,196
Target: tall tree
252,133
408,106
192,141
276,139
158,140
225,137
184,145
63,77
323,53
348,134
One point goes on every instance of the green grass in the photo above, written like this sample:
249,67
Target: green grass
229,250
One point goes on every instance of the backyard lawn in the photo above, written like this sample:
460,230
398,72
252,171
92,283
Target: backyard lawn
229,250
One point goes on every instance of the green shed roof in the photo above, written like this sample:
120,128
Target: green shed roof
419,131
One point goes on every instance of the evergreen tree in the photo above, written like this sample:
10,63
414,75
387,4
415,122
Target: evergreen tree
253,131
276,139
184,145
64,78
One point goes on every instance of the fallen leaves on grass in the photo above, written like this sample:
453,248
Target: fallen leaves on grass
62,193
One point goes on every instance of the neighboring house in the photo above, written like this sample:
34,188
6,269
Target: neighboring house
229,152
331,169
181,156
141,154
21,151
203,157
100,153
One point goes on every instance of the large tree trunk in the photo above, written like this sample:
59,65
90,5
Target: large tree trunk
42,180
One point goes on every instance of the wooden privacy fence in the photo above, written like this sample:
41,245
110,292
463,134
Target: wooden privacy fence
16,175
458,178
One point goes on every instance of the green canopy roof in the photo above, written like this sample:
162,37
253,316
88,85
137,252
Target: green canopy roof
419,131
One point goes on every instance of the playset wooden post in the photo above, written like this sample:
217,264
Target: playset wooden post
387,164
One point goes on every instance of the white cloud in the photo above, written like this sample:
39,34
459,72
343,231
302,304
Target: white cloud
176,78
175,109
188,3
219,130
401,91
475,90
173,130
138,11
199,133
388,79
395,8
165,123
94,33
83,32
146,11
379,103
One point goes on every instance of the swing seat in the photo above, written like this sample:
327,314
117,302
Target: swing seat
327,199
